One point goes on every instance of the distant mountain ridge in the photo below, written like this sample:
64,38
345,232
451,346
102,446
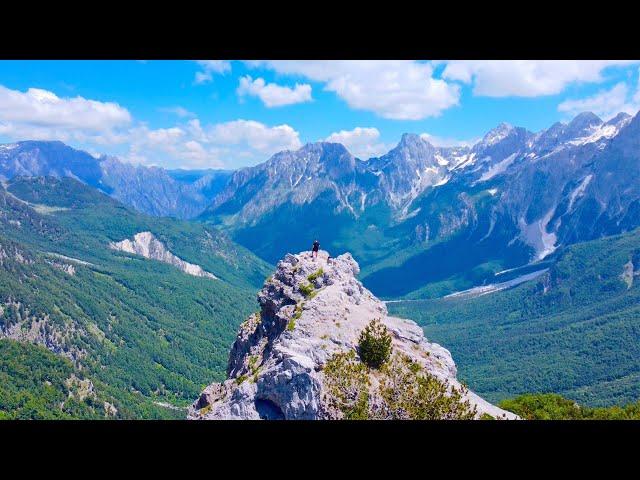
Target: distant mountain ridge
150,190
398,177
420,215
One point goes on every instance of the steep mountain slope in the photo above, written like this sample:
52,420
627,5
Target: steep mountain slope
573,330
425,221
150,190
322,190
422,221
145,333
312,311
514,204
38,384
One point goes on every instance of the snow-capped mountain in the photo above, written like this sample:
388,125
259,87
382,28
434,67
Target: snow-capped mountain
416,215
514,197
300,177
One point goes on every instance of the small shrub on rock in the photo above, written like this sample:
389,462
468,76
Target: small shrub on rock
374,344
306,289
403,390
409,392
315,275
347,386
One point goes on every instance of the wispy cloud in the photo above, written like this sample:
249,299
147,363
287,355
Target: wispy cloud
527,78
209,68
178,111
607,103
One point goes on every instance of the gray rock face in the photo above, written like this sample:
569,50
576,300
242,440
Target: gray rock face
148,246
300,177
524,191
275,364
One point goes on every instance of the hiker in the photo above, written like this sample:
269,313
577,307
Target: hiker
314,249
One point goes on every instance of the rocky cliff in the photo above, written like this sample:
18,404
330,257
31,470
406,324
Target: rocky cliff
312,310
148,246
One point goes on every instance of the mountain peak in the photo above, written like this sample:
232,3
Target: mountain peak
584,120
311,310
411,141
43,142
324,149
620,119
410,138
497,134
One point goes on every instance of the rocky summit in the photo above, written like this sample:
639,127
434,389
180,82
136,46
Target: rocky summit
312,309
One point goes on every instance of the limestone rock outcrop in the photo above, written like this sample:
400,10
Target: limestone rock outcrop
148,246
310,310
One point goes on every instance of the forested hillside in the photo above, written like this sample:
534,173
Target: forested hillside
573,331
144,332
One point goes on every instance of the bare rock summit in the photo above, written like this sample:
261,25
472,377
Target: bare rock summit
310,310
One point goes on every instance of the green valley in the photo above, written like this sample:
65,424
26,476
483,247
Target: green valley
573,331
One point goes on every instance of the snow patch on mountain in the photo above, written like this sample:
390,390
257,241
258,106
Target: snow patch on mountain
442,182
597,133
579,190
498,168
463,161
441,160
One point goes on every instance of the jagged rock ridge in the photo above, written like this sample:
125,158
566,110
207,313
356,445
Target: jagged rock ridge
310,310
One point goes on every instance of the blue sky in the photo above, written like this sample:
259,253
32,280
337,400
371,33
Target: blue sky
228,114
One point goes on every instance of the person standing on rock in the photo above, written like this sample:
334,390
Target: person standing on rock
314,249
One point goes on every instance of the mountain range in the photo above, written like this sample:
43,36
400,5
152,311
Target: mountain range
440,219
425,221
125,284
150,190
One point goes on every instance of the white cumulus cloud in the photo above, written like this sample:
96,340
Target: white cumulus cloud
364,143
40,114
272,94
256,135
400,90
109,128
526,78
605,103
